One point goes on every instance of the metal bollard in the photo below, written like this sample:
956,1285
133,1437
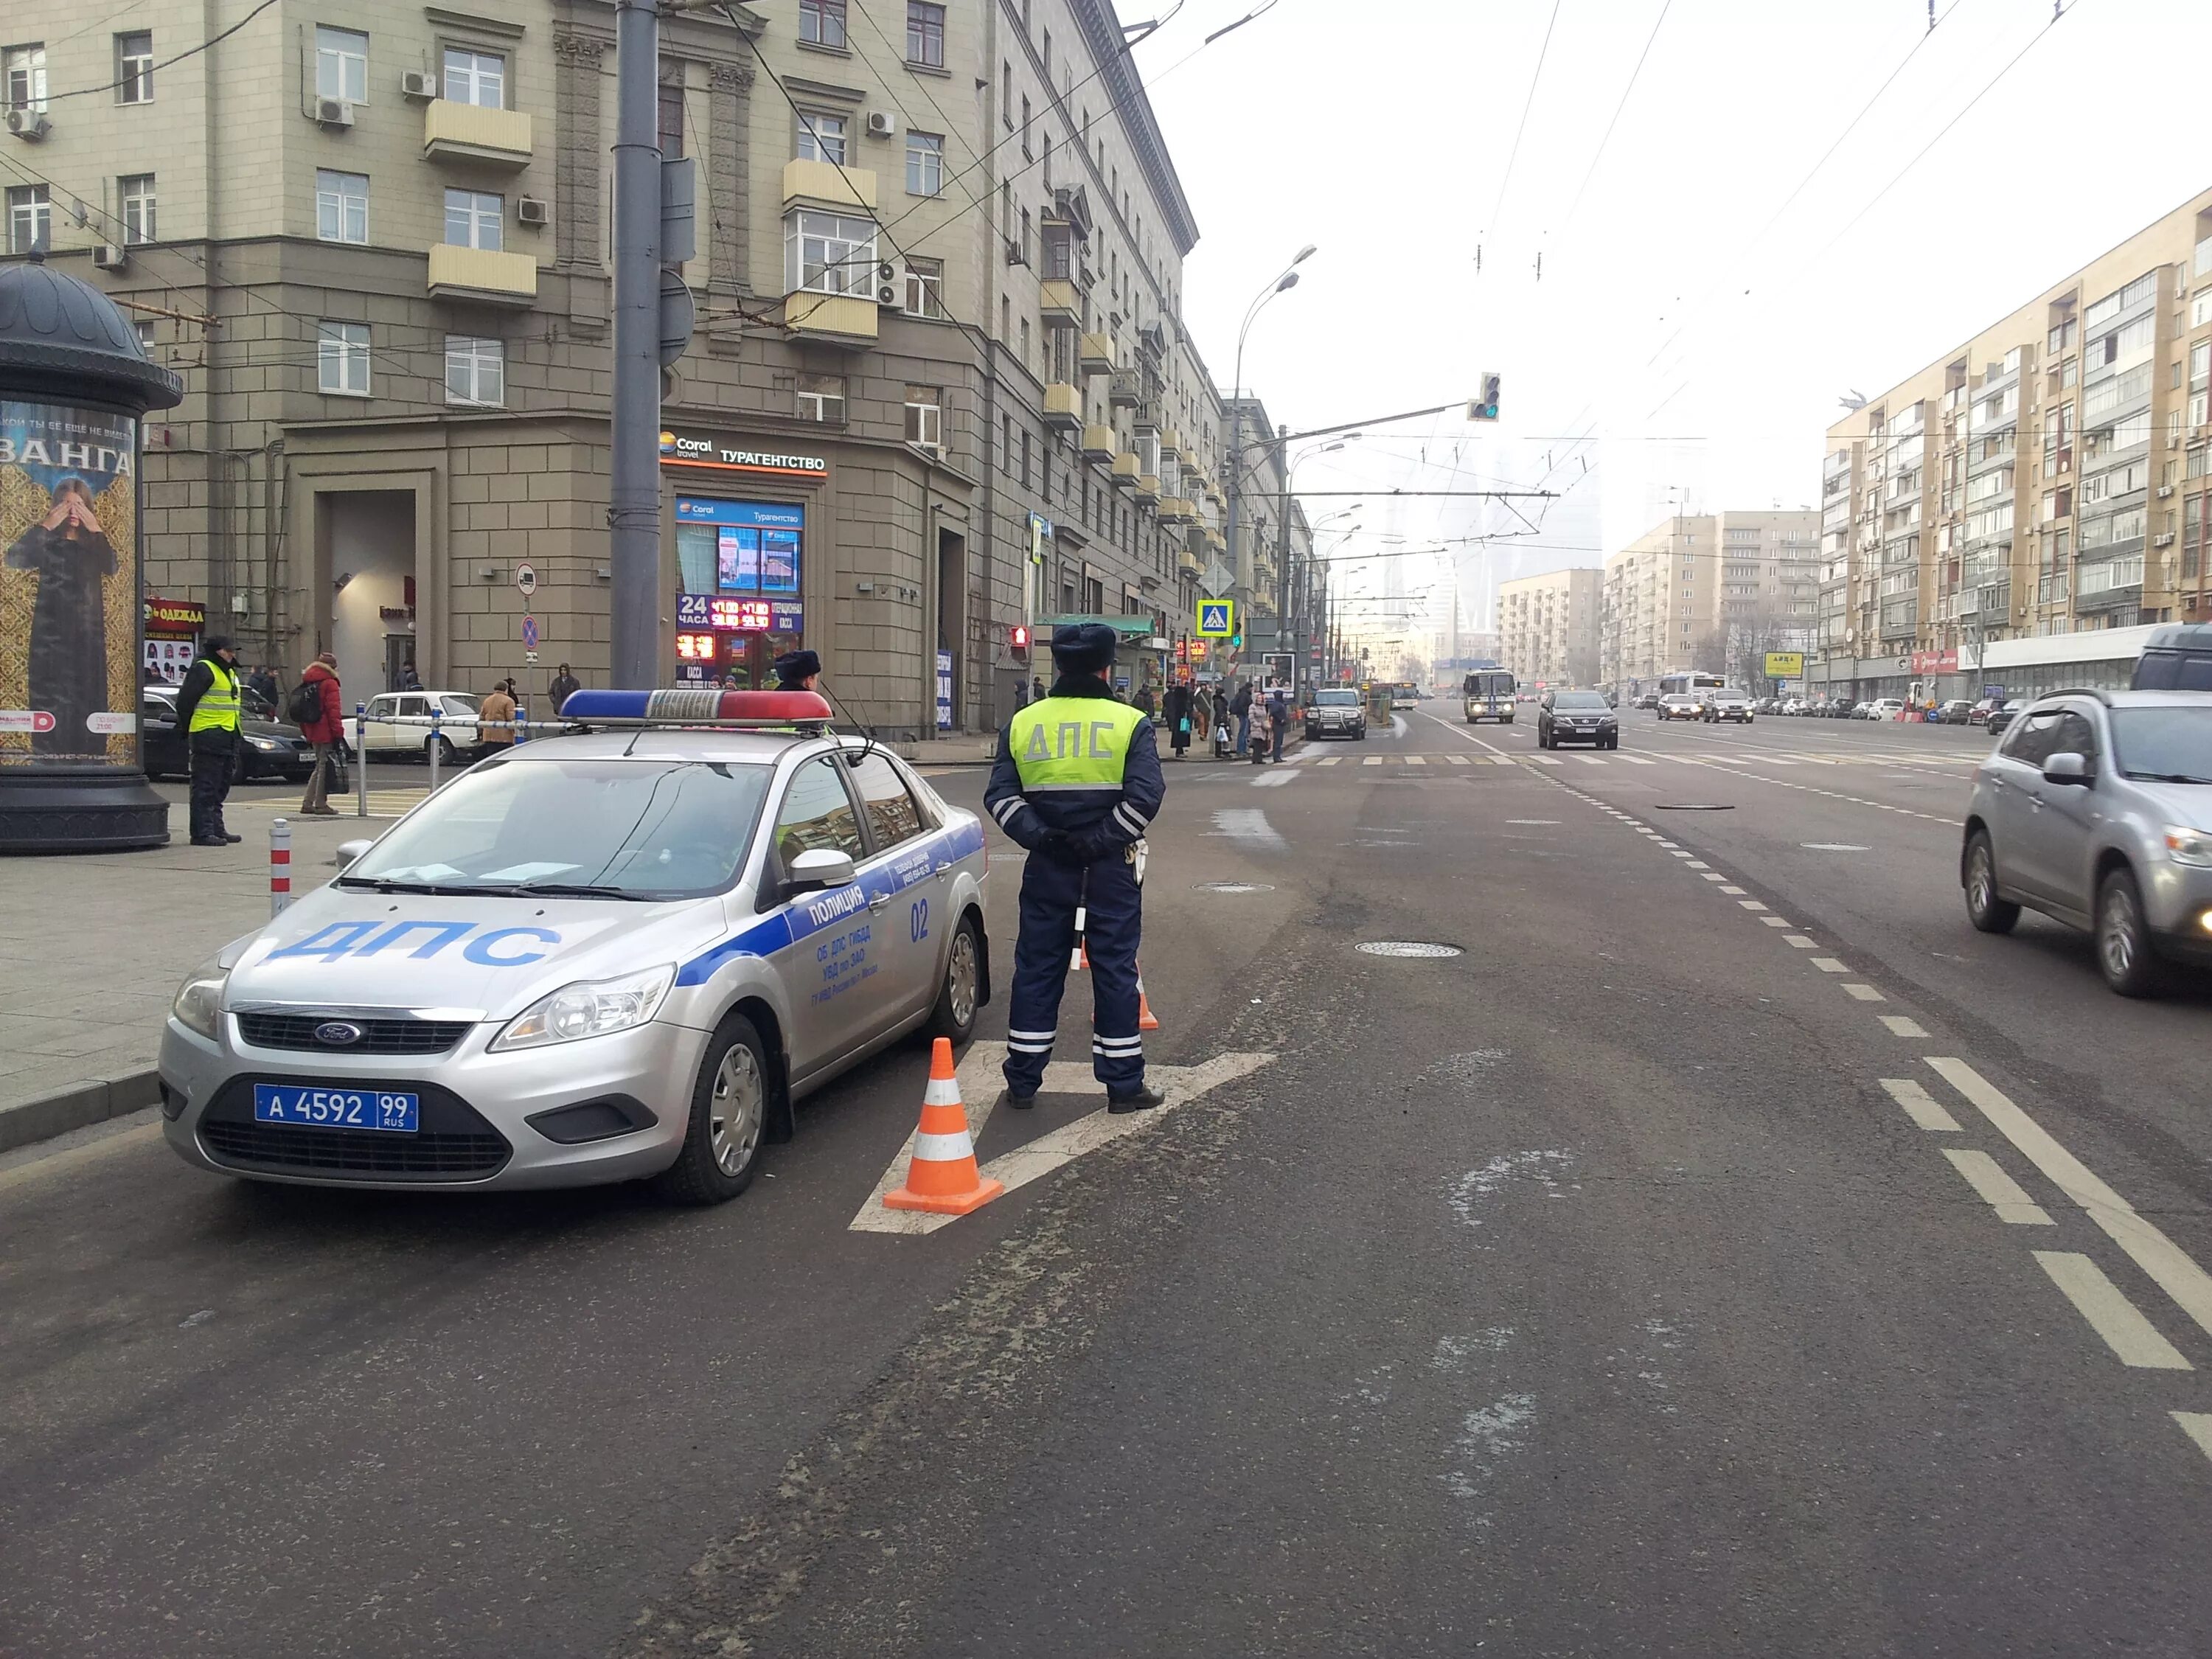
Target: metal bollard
280,867
431,749
361,755
522,722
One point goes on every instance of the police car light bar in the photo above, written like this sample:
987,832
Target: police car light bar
695,706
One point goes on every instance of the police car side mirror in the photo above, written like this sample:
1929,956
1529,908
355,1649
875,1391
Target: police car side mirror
349,851
823,867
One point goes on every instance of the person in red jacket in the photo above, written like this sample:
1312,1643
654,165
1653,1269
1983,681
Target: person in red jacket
325,732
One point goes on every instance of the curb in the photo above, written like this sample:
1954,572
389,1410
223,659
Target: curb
77,1107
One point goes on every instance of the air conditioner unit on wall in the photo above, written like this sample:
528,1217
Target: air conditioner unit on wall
881,125
333,112
533,210
1015,255
108,257
29,123
887,294
418,83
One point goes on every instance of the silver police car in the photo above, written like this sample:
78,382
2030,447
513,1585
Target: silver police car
615,954
2096,808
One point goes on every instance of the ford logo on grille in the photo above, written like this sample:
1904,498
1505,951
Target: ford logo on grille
338,1034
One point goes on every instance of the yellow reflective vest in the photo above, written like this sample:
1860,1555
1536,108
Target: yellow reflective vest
217,709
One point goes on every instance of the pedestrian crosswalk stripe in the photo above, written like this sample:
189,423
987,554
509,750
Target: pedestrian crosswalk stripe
1590,760
1372,760
1417,760
1633,760
1545,760
1462,760
1329,760
1502,760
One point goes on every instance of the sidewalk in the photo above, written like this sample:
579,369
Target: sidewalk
97,945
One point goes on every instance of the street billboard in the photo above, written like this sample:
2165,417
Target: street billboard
1785,664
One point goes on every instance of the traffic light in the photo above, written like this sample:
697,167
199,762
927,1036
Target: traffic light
1485,406
1236,641
1017,637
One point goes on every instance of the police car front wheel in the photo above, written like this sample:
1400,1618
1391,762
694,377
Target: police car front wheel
729,1118
963,991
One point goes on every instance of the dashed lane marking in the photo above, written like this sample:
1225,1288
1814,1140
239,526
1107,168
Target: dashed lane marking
1997,1189
1333,759
1731,889
1775,922
1919,1105
1748,904
1830,965
1864,993
1799,942
1372,760
2170,1268
1417,760
1900,1026
2133,1338
1711,875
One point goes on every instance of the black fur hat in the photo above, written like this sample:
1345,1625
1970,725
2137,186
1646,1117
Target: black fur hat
1084,648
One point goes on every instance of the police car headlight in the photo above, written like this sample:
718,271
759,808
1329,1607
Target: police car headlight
199,1006
587,1009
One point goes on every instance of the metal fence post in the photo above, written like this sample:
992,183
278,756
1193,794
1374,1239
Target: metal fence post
361,756
430,748
280,867
522,722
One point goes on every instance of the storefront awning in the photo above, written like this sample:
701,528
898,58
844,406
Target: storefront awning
1134,631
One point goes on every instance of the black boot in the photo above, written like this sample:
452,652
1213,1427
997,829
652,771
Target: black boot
1143,1100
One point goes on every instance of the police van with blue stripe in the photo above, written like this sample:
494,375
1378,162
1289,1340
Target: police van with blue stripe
624,951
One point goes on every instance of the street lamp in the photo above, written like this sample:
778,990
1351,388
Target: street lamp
1281,284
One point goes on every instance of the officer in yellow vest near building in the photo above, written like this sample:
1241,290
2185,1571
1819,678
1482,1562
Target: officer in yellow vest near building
208,707
1077,780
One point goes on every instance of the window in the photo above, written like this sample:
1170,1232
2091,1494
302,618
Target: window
892,815
475,371
341,206
821,398
134,193
2200,309
925,34
342,358
925,287
924,164
1007,94
822,22
2033,738
828,253
341,64
816,815
1025,458
925,416
144,328
30,218
670,121
134,68
475,218
26,69
822,138
476,77
1026,150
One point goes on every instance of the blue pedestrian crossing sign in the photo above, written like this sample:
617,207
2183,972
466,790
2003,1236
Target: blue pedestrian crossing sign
1217,618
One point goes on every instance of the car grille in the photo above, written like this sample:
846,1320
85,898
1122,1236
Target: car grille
378,1036
353,1152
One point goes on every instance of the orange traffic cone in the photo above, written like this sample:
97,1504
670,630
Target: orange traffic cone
943,1177
1147,1020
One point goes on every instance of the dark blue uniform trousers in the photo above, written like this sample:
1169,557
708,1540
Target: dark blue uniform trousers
1050,893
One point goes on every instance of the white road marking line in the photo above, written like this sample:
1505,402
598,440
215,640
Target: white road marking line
1680,853
1997,1189
1461,760
2171,1267
1775,922
1501,760
1919,1105
1274,780
1830,965
1900,1026
1696,864
2110,1314
1545,760
1731,889
1248,825
1372,760
1417,760
1748,904
1591,759
1864,994
1634,760
1333,759
1798,941
2197,1425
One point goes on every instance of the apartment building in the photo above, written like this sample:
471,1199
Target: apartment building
1715,591
938,389
1547,627
2047,478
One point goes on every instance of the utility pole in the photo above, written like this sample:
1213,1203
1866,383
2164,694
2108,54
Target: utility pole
1283,568
633,496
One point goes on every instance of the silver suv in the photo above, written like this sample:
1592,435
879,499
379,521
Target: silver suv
2096,808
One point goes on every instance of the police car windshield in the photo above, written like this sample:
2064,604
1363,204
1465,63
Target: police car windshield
608,828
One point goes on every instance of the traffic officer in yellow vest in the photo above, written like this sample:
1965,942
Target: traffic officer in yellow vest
1077,780
208,706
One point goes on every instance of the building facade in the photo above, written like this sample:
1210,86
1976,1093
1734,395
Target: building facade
1547,627
2047,478
1715,591
938,390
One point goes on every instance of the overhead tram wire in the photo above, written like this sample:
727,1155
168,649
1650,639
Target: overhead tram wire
1591,173
189,52
1513,155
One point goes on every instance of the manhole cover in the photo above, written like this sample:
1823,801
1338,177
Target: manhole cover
1689,806
1408,947
1233,886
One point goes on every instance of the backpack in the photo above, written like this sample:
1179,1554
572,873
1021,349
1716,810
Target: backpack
303,705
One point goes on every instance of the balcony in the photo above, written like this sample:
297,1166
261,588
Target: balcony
1063,407
1215,540
830,319
1148,487
1128,390
1125,471
1099,444
1176,509
1188,564
1061,303
482,276
472,133
829,185
1095,354
1148,418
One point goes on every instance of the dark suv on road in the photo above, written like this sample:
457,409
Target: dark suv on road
1576,717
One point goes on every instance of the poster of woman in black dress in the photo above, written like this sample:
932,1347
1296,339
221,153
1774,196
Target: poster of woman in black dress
67,473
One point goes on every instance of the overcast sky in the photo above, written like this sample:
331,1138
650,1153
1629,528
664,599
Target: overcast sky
1701,340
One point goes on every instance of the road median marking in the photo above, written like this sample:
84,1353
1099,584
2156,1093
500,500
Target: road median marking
2131,1336
1799,942
1830,965
1919,1105
2169,1267
1997,1189
1900,1026
1864,994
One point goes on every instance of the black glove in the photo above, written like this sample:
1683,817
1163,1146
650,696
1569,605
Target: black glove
1060,848
1097,846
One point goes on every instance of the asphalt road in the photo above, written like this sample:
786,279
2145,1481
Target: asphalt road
1729,1252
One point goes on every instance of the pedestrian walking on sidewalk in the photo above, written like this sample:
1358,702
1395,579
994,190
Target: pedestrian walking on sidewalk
1240,707
498,705
1174,710
1077,780
563,683
264,685
208,707
326,731
1201,715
